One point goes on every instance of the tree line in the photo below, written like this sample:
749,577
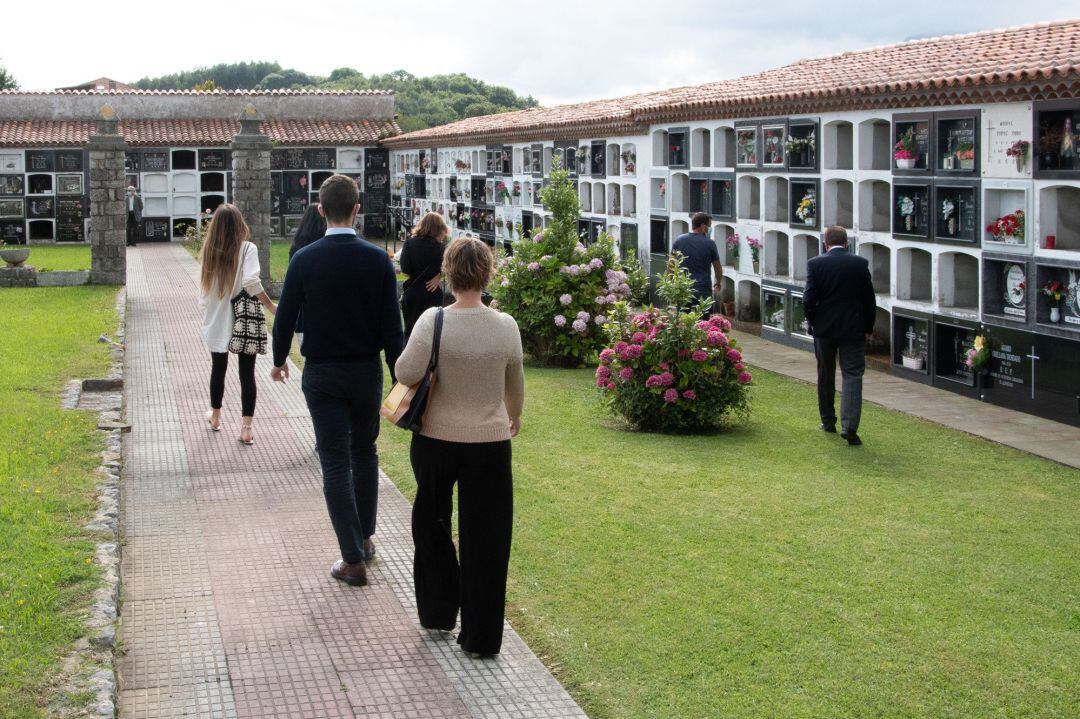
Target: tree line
420,101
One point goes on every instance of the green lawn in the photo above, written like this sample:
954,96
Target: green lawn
279,259
773,571
47,479
52,258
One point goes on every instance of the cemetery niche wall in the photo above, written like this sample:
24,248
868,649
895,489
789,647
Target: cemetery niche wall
179,158
965,206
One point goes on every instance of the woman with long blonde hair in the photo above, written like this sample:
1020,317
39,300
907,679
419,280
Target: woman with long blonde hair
421,259
230,268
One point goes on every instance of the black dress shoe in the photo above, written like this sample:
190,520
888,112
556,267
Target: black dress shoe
852,438
831,428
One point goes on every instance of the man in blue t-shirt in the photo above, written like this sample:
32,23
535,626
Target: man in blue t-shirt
699,253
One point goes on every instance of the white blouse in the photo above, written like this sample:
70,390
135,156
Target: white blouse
217,311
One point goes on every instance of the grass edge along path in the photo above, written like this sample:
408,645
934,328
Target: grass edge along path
774,571
47,482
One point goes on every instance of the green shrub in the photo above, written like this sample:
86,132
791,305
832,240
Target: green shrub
558,290
671,370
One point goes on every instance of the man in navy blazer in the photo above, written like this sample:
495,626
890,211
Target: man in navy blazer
839,303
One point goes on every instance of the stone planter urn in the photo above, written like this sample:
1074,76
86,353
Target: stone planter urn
14,257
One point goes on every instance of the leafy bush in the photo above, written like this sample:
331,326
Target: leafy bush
558,290
672,371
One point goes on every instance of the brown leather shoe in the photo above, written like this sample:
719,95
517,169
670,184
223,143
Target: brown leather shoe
369,549
354,574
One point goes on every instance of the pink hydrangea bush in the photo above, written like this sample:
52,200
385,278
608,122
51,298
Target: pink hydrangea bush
561,292
671,371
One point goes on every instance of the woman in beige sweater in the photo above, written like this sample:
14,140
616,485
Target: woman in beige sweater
474,411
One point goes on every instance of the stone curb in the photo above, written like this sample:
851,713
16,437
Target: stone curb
91,669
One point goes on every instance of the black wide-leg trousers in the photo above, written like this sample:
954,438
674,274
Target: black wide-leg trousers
477,582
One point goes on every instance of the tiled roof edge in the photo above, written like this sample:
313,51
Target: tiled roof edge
223,93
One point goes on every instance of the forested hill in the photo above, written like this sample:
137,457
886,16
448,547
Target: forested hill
421,101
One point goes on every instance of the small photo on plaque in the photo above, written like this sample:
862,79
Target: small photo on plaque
69,184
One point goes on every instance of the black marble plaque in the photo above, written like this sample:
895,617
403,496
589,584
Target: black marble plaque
155,161
723,199
39,207
911,210
277,159
69,161
40,160
70,231
296,159
296,183
951,344
956,213
920,130
12,185
132,161
911,338
69,210
213,159
377,159
156,229
322,158
12,207
295,204
375,226
13,232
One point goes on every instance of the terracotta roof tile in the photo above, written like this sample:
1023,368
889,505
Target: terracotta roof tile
242,93
203,133
1006,65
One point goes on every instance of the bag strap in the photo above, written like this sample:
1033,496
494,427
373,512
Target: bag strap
434,361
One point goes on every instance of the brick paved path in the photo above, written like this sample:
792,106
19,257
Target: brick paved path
228,609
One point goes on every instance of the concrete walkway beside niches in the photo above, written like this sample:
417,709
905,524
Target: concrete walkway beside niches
228,608
1038,436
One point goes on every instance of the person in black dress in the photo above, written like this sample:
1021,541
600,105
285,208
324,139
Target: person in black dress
421,259
312,227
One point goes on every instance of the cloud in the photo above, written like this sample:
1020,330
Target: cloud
556,50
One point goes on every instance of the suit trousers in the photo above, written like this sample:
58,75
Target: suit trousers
132,229
344,399
852,353
476,583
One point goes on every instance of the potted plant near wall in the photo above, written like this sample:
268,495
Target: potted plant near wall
1055,292
906,152
965,155
912,358
977,359
13,255
1008,228
732,244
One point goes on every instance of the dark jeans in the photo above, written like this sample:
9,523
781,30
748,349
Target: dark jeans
852,365
248,391
485,520
344,398
132,229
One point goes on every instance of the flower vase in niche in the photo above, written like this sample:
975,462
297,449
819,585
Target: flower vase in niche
948,213
906,151
1055,314
1019,152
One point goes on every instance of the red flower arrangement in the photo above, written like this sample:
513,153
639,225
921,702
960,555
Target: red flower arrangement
1008,226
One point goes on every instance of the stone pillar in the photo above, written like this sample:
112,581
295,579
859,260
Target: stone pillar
251,182
108,210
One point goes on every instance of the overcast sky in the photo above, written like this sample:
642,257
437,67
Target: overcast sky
556,50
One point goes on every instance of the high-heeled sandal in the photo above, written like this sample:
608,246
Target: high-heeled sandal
210,421
251,438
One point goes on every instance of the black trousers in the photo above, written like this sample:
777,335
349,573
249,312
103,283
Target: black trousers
485,519
852,354
344,398
248,391
132,229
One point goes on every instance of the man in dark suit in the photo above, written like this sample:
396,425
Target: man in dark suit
347,289
134,215
839,303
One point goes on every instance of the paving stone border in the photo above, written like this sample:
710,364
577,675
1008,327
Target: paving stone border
89,685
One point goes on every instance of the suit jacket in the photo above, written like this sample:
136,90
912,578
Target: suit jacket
839,296
137,206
